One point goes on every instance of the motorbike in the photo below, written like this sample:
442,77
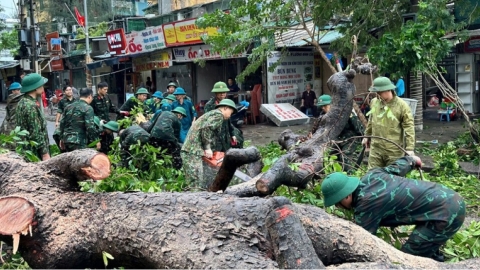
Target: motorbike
237,118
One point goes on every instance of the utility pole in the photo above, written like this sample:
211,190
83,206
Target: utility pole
33,32
87,47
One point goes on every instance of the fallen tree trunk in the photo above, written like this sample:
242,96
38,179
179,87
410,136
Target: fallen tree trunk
309,155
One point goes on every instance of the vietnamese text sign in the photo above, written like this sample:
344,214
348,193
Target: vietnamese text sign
287,82
148,40
185,32
472,45
284,114
116,41
191,53
157,60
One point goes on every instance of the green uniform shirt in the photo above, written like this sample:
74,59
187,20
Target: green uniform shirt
77,125
64,102
102,106
9,123
30,117
202,132
380,124
385,198
166,127
132,134
224,136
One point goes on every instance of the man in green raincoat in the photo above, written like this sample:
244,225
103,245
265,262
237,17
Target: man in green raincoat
392,119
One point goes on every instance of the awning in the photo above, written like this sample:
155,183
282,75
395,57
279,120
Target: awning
108,62
470,33
297,36
9,65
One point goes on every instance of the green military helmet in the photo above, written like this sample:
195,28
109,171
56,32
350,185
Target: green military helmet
179,91
338,186
158,94
112,125
382,84
31,82
324,100
96,120
220,87
142,90
172,84
229,103
180,110
171,97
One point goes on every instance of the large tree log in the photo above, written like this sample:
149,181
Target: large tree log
184,230
309,154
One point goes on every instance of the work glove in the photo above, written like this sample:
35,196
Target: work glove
410,153
366,142
208,153
417,162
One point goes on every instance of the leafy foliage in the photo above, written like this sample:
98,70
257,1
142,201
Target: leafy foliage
419,43
465,244
9,41
253,26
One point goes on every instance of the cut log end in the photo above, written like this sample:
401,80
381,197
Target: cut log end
262,186
99,167
16,215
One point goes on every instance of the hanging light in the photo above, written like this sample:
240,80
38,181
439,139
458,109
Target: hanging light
200,52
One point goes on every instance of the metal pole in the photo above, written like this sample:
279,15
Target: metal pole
87,47
34,65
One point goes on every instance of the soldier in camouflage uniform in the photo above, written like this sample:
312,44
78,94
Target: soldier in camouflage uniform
199,142
165,133
390,118
137,101
13,98
128,137
77,127
228,135
29,116
67,99
353,128
383,197
106,136
102,104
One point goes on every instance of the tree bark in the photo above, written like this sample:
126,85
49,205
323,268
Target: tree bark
234,158
309,155
183,230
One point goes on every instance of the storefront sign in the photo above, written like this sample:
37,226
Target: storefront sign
157,60
191,53
54,47
116,41
185,32
472,45
287,82
148,40
284,114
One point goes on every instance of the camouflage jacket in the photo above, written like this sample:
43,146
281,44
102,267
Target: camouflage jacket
9,122
132,135
202,133
386,198
223,141
102,106
29,117
166,127
77,125
64,102
132,103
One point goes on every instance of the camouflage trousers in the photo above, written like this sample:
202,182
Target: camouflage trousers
427,238
172,149
56,138
193,170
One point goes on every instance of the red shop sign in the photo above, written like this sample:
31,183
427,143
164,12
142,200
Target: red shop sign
116,41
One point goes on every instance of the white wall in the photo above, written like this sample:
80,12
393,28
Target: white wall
207,77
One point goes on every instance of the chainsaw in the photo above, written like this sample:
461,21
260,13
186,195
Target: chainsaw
216,162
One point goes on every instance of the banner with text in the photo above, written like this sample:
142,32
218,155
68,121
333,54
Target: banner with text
156,60
287,82
147,40
191,53
185,32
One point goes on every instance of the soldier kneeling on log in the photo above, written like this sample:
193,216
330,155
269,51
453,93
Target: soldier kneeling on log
129,137
165,133
384,197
